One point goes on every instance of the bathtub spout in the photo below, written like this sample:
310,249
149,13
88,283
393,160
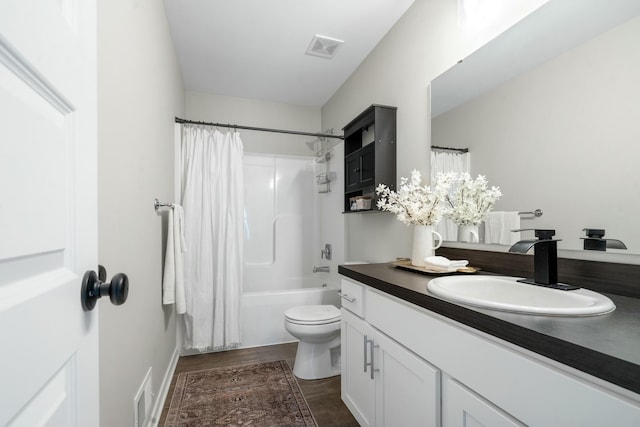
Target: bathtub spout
321,269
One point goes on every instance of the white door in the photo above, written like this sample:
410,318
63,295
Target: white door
48,213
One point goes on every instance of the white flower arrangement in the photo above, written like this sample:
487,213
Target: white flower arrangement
471,199
414,203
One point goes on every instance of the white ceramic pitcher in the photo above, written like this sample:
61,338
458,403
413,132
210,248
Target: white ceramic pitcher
423,245
468,233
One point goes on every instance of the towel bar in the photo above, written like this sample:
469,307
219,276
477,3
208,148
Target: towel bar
157,205
535,213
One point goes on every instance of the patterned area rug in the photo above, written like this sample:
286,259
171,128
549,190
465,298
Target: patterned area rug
263,394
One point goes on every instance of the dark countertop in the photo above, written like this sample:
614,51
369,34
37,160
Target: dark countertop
606,346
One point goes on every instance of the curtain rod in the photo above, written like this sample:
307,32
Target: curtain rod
461,150
228,125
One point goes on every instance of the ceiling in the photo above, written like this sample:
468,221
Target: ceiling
256,48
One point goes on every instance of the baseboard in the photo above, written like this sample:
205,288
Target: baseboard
163,391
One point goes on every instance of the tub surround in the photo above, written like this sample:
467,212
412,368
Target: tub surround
606,347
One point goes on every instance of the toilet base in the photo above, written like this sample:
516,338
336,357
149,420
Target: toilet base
316,361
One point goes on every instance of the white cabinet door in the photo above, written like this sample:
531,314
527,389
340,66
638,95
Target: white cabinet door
407,387
461,407
383,383
48,213
358,386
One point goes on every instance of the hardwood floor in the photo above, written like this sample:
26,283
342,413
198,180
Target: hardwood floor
323,396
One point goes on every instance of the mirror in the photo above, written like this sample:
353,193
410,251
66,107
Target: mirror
550,112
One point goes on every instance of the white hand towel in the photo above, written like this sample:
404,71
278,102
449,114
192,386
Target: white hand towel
444,264
493,227
173,280
498,228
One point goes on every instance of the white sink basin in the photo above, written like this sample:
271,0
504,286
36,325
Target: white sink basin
506,294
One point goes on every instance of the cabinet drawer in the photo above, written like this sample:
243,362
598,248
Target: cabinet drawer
352,295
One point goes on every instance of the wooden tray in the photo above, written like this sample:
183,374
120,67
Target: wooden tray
406,265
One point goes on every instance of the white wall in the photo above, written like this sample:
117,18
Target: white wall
139,93
207,107
562,137
424,43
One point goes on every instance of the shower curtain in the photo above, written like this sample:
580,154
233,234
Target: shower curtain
212,197
442,162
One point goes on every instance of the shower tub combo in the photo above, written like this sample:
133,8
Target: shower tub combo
282,246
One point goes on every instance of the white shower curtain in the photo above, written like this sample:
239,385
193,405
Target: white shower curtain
212,197
442,162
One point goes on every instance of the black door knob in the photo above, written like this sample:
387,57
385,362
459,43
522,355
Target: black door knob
94,287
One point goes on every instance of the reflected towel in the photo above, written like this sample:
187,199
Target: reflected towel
498,226
173,280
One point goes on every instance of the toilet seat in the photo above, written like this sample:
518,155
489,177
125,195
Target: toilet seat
313,314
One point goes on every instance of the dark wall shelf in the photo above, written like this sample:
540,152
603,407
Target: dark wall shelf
370,155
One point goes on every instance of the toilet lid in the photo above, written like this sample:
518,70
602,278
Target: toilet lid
313,314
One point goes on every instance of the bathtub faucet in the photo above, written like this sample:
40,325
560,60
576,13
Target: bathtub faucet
321,269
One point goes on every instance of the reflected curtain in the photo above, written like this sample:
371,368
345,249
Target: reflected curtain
213,201
443,161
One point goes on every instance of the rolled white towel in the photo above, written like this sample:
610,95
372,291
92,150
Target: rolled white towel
173,278
444,264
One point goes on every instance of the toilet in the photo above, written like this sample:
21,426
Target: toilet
318,329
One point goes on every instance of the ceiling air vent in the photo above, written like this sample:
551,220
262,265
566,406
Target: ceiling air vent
322,46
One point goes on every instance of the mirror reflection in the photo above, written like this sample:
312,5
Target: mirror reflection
561,134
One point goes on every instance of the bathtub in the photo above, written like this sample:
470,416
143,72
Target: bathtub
263,312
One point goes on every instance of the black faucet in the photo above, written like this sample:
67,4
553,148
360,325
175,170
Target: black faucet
595,241
545,259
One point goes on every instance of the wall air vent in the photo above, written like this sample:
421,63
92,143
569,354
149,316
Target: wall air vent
324,47
142,403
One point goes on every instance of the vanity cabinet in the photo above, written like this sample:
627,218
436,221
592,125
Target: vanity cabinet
448,374
370,154
383,383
